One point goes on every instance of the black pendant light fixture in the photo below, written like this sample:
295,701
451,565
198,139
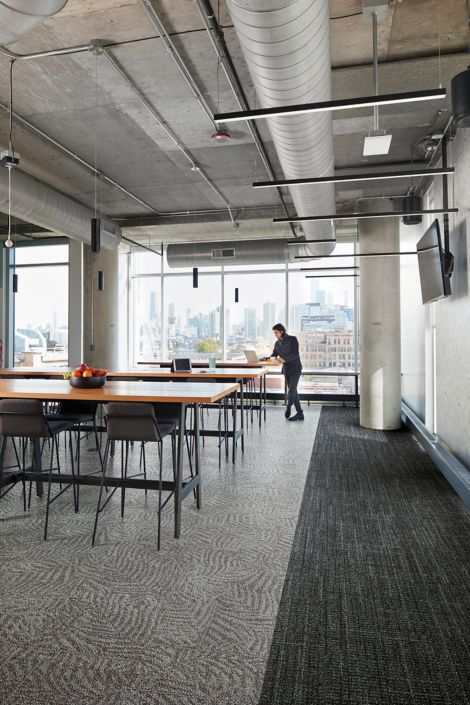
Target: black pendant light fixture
236,295
15,283
195,277
100,280
95,235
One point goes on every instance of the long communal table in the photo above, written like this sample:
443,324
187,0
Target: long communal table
239,375
180,393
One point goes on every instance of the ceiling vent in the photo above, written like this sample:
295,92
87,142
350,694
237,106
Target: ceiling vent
226,253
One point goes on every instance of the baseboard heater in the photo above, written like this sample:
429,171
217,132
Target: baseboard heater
453,470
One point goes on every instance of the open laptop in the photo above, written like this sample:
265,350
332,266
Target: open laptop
181,364
251,355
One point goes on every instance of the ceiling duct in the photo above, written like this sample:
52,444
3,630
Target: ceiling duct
17,17
35,202
286,46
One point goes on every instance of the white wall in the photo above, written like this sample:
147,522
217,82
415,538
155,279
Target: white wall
448,325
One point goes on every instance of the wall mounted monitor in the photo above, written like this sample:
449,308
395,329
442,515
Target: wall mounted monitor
435,283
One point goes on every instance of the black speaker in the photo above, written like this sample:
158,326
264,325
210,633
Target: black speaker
460,88
412,203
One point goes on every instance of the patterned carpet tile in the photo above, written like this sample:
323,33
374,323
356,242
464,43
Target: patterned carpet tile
124,624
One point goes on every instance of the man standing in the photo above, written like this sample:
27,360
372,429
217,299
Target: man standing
286,350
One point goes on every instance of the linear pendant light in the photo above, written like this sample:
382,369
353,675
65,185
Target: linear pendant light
195,277
330,105
372,176
360,254
329,276
353,216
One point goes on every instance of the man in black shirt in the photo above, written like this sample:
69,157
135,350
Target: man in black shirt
286,350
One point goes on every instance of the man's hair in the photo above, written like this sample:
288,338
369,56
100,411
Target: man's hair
280,328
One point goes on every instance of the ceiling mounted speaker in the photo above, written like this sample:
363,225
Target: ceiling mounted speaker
409,204
460,87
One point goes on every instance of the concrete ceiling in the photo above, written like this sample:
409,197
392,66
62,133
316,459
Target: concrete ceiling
81,101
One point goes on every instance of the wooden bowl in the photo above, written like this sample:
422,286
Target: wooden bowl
87,382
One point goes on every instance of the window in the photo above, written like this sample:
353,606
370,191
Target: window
248,323
193,316
40,305
321,315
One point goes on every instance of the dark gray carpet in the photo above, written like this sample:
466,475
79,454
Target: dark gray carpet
375,608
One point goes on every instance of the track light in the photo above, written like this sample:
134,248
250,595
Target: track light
371,176
331,105
329,276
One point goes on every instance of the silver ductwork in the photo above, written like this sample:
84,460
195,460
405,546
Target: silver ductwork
35,202
207,254
286,45
17,17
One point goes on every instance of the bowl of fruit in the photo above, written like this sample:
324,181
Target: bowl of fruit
84,377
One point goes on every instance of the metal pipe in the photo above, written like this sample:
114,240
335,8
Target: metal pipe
376,69
164,125
445,196
42,54
156,21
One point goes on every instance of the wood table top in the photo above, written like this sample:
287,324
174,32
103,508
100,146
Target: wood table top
220,373
154,392
219,363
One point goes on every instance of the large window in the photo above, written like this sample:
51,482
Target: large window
171,318
193,316
261,304
321,315
40,305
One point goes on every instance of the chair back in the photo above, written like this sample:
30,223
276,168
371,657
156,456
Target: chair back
132,421
23,418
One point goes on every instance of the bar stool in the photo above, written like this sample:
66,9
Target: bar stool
82,414
25,419
127,422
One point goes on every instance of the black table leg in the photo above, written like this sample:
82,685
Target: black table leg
197,455
37,465
179,471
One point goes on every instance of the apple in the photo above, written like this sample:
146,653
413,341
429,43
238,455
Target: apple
83,367
87,373
76,373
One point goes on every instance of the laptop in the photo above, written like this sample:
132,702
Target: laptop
181,364
251,355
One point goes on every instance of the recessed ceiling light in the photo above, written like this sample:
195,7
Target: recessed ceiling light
376,144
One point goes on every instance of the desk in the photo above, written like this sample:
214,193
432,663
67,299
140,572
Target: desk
179,393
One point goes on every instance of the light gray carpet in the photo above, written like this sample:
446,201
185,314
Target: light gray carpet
122,624
376,605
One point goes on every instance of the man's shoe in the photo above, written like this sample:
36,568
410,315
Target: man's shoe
287,412
297,417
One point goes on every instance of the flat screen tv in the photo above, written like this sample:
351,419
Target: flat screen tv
434,277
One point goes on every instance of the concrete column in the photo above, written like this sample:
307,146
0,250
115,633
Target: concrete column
380,321
102,309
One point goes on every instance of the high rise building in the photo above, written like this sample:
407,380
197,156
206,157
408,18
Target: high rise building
153,306
250,323
269,316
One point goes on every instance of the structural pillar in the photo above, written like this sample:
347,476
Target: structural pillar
380,320
101,309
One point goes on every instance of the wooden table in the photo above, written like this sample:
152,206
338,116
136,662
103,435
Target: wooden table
218,363
241,375
179,393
